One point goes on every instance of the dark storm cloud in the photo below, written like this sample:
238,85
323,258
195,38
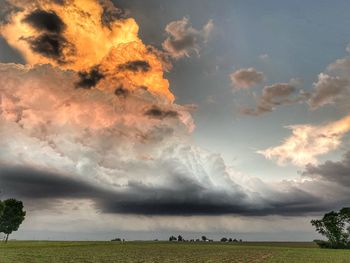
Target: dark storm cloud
46,21
89,79
51,43
158,113
135,66
183,197
51,46
35,184
121,92
338,172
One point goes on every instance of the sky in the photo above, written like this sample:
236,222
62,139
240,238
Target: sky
144,119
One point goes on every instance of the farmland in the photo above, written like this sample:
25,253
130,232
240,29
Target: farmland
57,252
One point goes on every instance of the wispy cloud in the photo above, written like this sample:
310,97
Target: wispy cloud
183,39
307,142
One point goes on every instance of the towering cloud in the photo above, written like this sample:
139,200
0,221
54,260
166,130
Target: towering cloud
62,34
183,39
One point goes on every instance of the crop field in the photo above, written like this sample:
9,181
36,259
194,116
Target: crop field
57,252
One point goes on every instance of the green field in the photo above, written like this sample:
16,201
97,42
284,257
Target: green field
44,251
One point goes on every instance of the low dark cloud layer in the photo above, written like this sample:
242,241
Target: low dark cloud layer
135,66
45,20
184,197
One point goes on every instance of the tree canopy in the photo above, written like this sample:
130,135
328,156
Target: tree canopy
12,216
336,227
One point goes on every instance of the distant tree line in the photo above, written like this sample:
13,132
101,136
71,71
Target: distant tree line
335,226
202,239
11,216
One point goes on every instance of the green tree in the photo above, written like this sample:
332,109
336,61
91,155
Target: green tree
172,238
336,227
12,216
2,206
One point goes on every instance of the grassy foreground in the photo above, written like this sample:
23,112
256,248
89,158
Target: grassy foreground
57,252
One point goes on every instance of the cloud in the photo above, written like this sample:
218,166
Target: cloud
333,86
156,112
332,171
121,92
276,95
135,66
307,142
264,57
89,79
246,78
124,148
181,196
327,90
45,21
49,42
77,144
183,39
45,33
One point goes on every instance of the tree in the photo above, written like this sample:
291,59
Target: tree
172,238
2,207
224,239
204,238
180,238
12,216
336,227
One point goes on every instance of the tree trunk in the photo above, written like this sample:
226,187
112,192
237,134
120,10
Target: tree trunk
7,238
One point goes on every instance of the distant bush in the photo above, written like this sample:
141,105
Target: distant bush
327,244
116,239
224,239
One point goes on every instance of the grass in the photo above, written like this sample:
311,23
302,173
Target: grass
57,252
